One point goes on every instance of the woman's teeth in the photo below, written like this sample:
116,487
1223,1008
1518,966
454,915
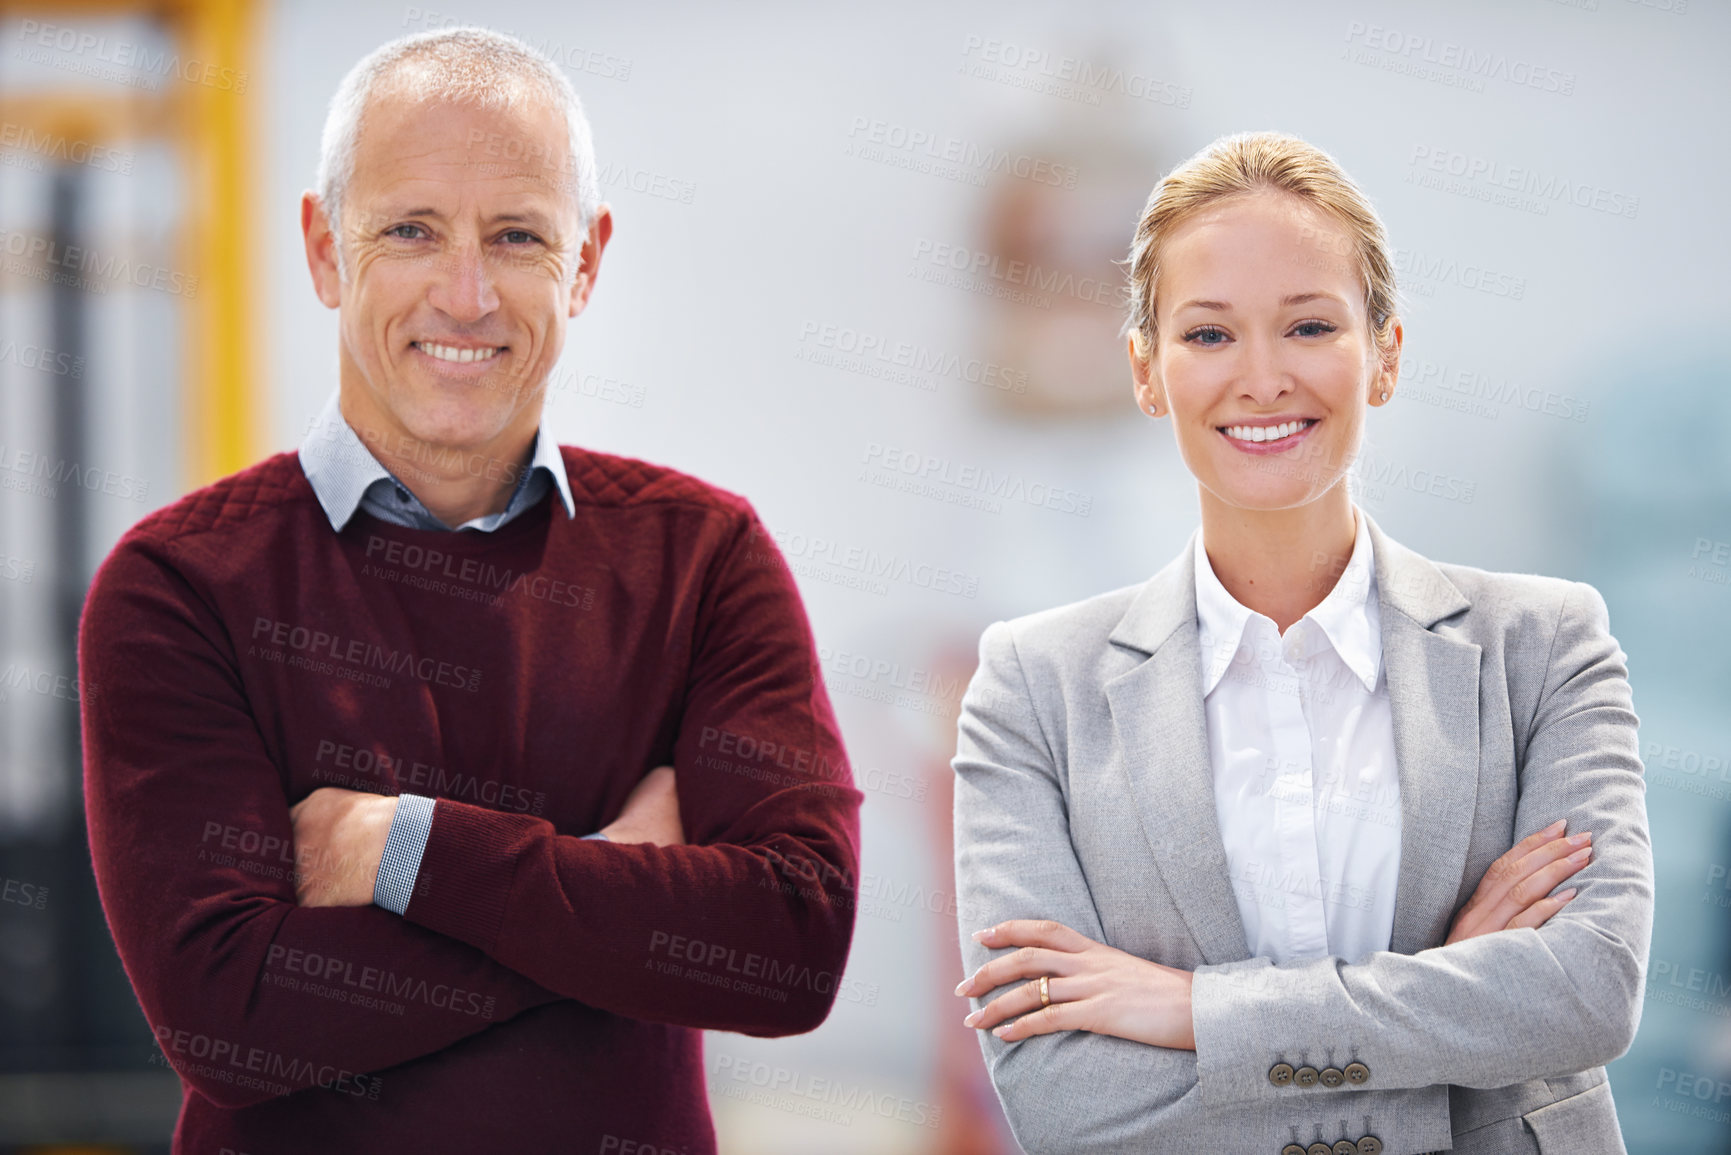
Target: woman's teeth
452,353
1266,432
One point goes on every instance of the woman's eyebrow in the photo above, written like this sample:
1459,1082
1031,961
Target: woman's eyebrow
1291,299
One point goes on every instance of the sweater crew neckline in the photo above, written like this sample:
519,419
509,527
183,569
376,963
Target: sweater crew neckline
530,521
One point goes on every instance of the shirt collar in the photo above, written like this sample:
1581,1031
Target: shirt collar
1348,618
340,468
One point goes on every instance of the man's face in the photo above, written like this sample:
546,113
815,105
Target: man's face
464,263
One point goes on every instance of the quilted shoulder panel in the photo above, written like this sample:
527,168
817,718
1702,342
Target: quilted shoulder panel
608,479
270,484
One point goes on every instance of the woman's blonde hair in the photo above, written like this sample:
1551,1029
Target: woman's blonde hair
1248,162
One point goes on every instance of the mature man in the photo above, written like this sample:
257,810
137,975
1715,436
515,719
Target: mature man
368,701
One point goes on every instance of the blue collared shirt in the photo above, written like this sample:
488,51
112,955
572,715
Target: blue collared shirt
345,476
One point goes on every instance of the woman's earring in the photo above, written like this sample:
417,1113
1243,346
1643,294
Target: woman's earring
1385,394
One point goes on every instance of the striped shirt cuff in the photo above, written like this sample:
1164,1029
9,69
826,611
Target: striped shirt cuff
404,845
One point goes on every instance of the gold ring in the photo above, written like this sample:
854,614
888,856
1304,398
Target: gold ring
1045,991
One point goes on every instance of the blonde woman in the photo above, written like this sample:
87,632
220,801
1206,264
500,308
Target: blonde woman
1307,845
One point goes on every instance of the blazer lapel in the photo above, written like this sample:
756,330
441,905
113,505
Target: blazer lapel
1433,695
1157,709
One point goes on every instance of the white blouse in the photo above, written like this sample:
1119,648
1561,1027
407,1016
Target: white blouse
1301,742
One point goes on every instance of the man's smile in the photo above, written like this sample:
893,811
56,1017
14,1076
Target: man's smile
459,354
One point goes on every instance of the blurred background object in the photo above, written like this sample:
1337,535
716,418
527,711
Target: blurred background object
124,381
863,273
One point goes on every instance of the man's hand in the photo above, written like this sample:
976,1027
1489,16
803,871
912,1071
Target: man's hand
339,838
651,812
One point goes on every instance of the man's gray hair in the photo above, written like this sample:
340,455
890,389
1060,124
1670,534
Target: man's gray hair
466,65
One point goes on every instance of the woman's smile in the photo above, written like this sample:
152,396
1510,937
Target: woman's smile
1255,439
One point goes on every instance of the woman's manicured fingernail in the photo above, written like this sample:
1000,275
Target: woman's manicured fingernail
1582,838
1567,894
999,1031
982,935
971,1019
962,987
1581,855
1556,826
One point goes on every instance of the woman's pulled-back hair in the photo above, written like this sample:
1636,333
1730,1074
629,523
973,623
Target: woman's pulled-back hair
1248,162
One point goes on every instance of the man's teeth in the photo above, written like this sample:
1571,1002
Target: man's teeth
1265,432
452,353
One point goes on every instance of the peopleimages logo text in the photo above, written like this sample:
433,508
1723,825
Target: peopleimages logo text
1542,187
358,652
126,54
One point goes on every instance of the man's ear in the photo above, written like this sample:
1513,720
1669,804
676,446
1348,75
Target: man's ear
321,250
589,258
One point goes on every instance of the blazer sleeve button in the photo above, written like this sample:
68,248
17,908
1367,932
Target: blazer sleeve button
1319,1148
1292,1149
1280,1074
1356,1073
1345,1147
1332,1077
1370,1145
1305,1077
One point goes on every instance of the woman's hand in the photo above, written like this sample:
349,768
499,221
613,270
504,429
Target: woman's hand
1513,891
1093,987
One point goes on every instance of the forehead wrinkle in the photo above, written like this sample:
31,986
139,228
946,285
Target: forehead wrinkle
403,194
402,198
393,128
391,138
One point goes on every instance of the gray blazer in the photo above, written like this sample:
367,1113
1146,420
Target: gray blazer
1084,794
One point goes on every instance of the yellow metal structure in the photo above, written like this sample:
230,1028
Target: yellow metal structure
203,108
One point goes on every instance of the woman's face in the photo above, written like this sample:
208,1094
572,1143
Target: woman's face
1261,324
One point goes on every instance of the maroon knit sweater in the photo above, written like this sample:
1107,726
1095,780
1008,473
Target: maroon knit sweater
542,992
